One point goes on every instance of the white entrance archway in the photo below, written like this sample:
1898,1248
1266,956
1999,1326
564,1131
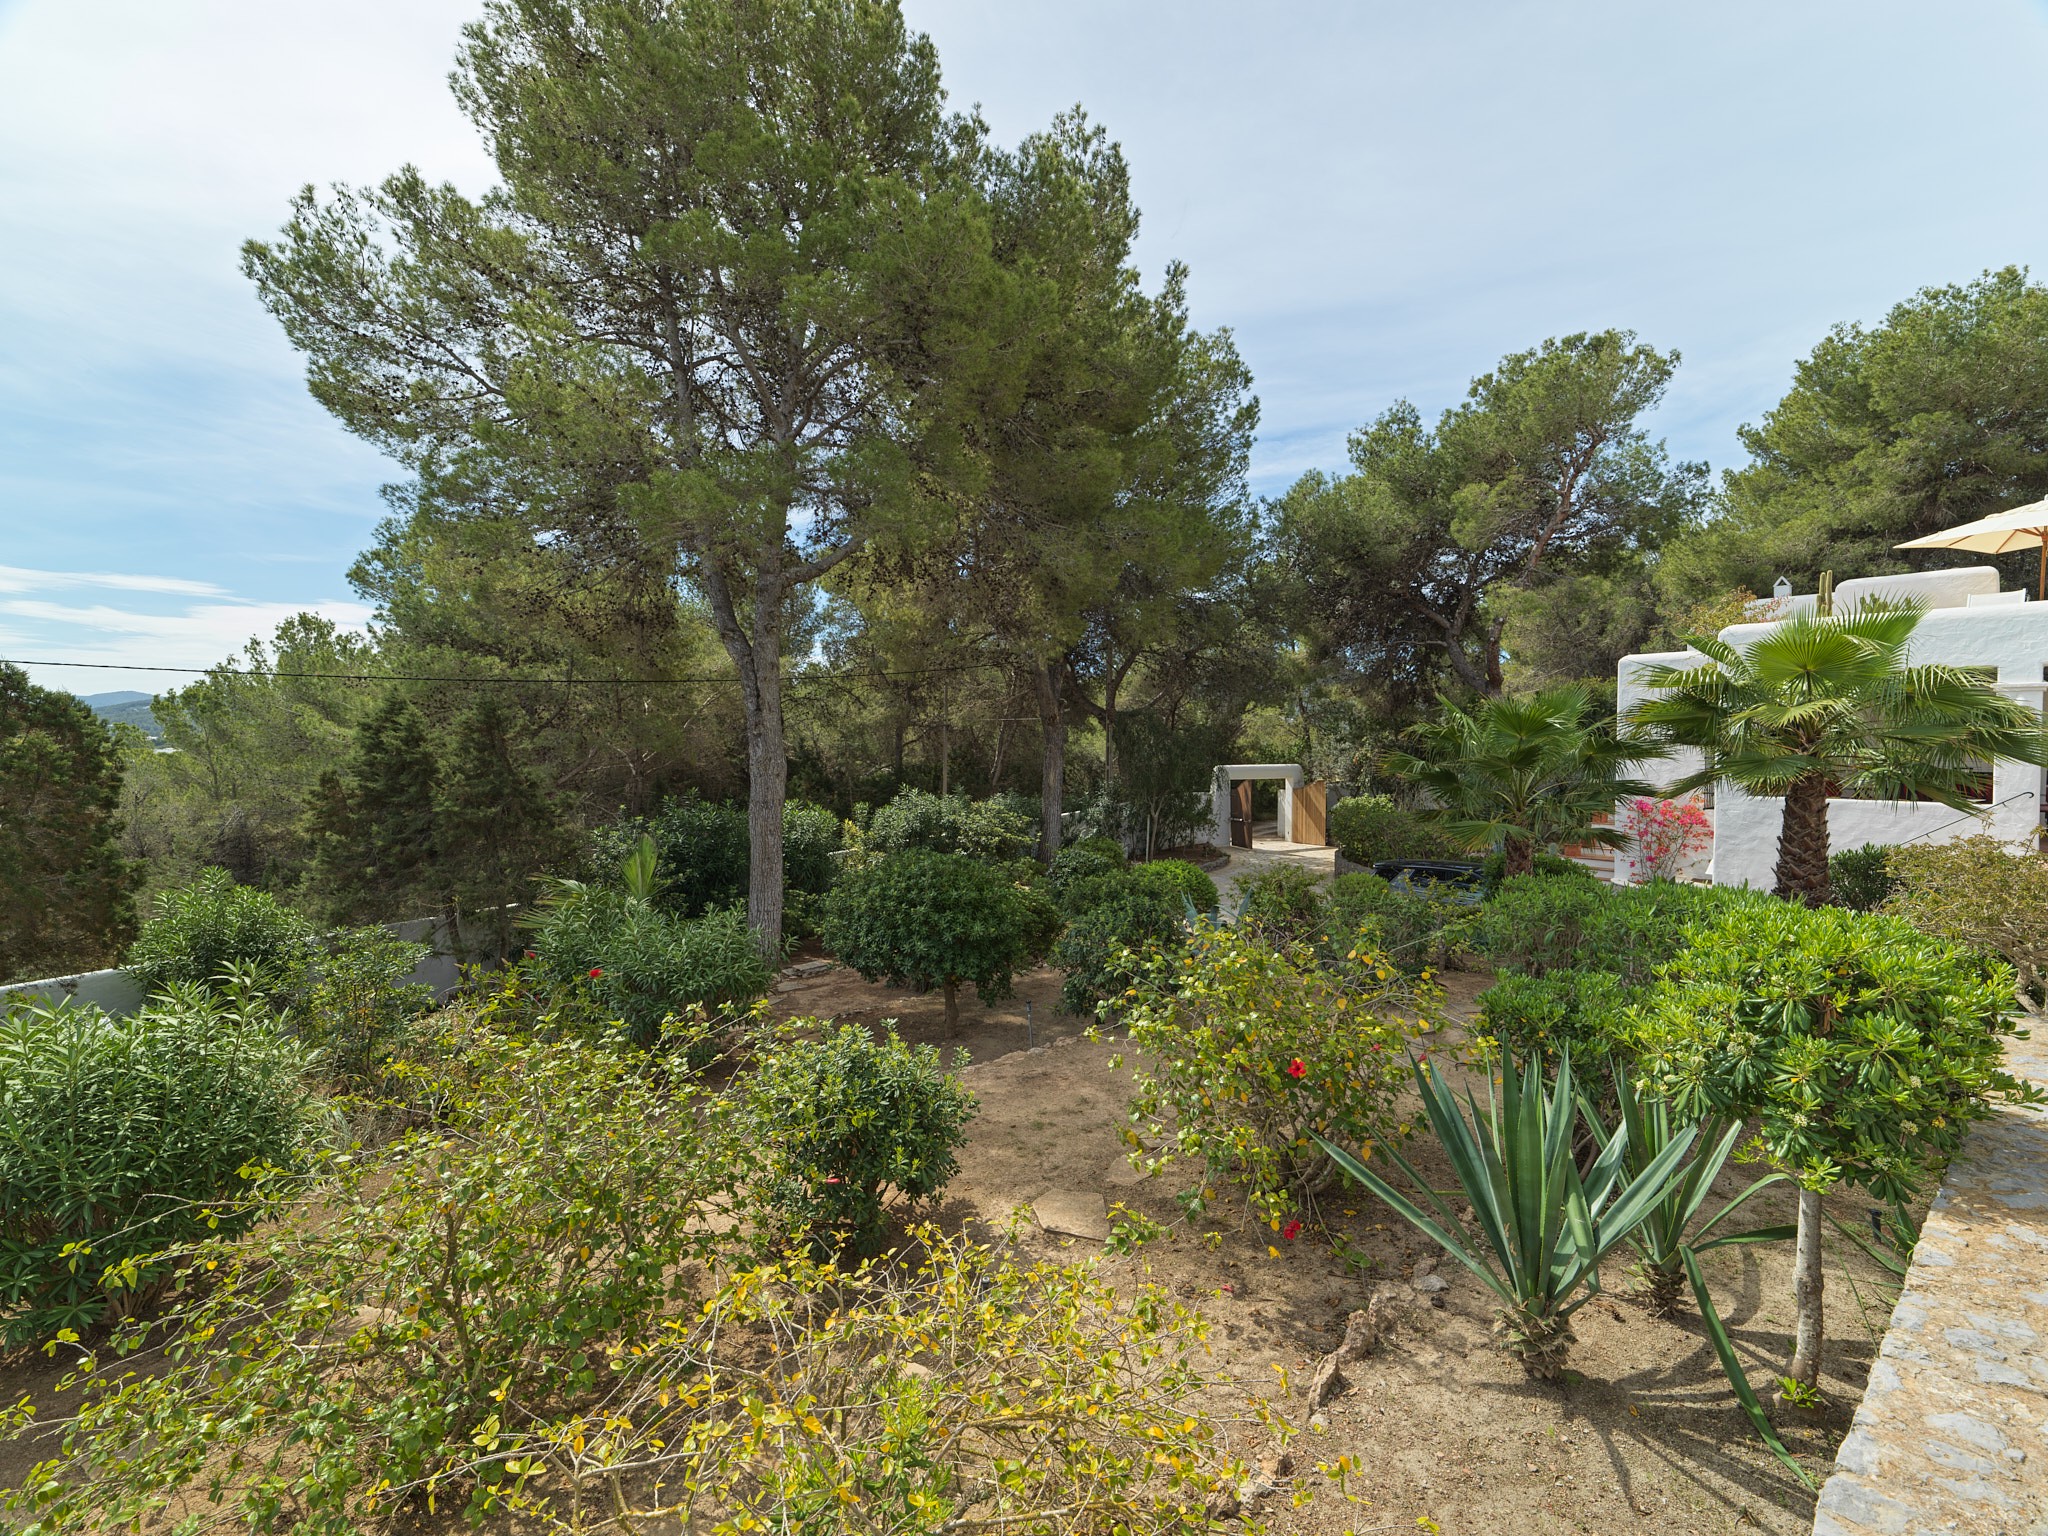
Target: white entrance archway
1228,774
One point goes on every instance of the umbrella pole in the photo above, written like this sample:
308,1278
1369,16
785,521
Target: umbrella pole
2041,586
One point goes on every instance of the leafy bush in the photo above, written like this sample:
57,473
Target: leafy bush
1176,880
1580,1014
1974,891
360,1007
1106,847
1249,1050
979,829
843,1118
1369,828
1493,868
203,929
122,1137
1284,905
702,852
642,965
923,919
1413,928
1861,879
1084,876
417,1310
1103,948
1540,924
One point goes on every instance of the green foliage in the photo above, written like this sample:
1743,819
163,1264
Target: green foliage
66,893
1864,1048
1084,876
927,919
1543,1226
980,829
1176,880
1494,868
1861,878
360,1007
1543,925
1284,904
1102,949
1516,774
203,930
1414,928
643,966
1369,828
374,832
497,827
1580,1014
843,1119
122,1137
1978,891
1824,705
701,851
1247,1051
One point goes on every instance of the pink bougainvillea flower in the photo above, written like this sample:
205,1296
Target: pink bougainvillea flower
1296,1069
1292,1230
831,1178
596,971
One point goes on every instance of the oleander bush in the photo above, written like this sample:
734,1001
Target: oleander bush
1247,1050
123,1137
842,1120
201,931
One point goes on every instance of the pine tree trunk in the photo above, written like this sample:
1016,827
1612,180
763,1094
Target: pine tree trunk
1808,1285
1052,772
1803,843
767,788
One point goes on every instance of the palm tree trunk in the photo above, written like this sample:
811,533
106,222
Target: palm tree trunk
1518,857
1803,843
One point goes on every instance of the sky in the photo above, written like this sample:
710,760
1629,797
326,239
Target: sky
1380,200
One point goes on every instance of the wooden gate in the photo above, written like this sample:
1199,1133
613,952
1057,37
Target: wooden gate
1241,814
1311,814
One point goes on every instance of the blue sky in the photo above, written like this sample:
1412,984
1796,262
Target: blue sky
1380,199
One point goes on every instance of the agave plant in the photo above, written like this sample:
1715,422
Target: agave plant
1544,1227
1663,1235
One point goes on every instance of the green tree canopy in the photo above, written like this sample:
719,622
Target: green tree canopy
1416,563
67,896
1936,416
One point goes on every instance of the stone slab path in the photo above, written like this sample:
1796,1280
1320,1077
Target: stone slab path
1952,1433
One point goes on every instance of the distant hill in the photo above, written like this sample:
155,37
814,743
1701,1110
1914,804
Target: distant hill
125,707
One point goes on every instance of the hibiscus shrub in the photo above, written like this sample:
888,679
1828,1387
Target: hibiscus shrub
1250,1049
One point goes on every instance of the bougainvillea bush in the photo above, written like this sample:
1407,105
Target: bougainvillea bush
1249,1050
1667,834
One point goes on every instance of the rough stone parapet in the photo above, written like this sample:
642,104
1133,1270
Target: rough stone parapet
1952,1433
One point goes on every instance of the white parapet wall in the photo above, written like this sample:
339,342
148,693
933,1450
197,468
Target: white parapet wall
1968,622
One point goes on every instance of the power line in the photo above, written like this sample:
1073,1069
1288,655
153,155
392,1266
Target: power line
552,682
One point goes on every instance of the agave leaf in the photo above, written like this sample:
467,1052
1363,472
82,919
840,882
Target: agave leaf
1418,1217
1724,1350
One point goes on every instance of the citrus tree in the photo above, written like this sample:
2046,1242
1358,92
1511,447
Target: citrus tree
1827,705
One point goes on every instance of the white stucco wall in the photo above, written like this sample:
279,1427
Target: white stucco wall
2010,636
1230,773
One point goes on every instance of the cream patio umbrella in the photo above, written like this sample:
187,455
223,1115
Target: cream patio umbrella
1999,534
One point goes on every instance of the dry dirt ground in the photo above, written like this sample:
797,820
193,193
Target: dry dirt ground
1643,1435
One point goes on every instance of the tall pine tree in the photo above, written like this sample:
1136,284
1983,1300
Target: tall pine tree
499,829
373,824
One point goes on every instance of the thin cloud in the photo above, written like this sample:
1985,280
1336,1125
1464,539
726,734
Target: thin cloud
21,578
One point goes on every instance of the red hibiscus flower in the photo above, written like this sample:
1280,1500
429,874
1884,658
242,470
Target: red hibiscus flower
1296,1069
1292,1230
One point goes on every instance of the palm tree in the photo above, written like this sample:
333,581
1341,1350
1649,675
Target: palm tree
1518,774
1828,705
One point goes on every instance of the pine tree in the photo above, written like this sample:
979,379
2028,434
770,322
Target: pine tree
375,846
498,826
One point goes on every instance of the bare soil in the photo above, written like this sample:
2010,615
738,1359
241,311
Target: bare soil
1643,1435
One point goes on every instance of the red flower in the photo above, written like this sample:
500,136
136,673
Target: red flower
831,1178
1292,1230
1296,1069
595,972
532,955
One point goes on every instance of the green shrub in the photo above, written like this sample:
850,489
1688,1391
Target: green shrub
1414,929
1106,847
1284,905
642,966
1494,867
1978,891
979,829
1582,1014
1177,880
1861,878
1082,877
936,920
1369,828
1103,948
843,1119
1248,1050
360,1007
122,1137
702,852
202,929
1541,924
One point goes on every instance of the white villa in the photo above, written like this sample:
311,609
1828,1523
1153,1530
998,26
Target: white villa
1969,622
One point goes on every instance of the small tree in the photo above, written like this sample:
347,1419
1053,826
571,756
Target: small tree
1521,773
1829,705
1977,891
924,920
1863,1047
66,894
373,823
498,827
